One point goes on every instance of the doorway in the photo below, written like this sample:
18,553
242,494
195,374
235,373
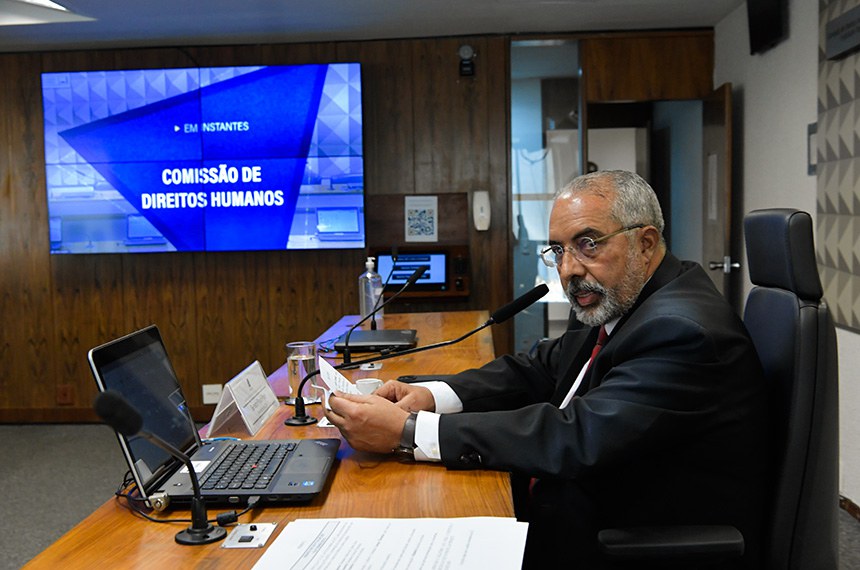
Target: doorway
545,154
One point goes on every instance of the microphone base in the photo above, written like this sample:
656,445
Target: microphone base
192,536
300,421
309,401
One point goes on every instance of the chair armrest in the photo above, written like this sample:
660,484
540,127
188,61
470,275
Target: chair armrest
671,542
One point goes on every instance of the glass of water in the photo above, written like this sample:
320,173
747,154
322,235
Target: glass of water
301,360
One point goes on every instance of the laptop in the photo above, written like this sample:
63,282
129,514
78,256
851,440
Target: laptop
137,367
339,224
378,340
140,231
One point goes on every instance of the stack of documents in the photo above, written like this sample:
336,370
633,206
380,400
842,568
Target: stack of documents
394,544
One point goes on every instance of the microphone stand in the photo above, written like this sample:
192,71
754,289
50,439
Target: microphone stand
301,417
409,282
200,531
126,420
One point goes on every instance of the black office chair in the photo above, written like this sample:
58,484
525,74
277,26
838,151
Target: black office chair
794,335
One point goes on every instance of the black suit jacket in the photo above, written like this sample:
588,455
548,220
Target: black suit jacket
668,425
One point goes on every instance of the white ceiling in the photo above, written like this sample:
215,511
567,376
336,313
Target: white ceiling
126,23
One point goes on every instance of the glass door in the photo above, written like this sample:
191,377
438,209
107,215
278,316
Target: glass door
545,155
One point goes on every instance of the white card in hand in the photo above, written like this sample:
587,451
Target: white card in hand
331,379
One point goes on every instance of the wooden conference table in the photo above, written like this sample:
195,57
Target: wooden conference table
360,484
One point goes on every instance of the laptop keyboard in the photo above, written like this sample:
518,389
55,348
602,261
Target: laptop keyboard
246,466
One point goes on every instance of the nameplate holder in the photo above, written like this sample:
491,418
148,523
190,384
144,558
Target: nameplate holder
247,396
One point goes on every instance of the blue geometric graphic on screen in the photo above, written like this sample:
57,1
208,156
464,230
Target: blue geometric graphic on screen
274,101
338,131
143,134
145,140
74,99
336,145
76,188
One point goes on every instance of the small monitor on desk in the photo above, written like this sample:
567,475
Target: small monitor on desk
436,276
447,274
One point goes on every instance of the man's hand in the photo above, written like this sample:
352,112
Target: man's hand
408,397
369,423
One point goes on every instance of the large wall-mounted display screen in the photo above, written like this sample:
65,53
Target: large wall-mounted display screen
205,159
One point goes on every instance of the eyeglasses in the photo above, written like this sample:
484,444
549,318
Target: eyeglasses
584,248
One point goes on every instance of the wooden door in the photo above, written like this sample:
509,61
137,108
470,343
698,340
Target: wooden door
717,189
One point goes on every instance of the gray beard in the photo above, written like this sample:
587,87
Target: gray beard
613,303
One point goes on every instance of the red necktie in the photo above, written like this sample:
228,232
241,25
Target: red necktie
601,340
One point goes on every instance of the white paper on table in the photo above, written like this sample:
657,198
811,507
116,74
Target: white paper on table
331,379
395,544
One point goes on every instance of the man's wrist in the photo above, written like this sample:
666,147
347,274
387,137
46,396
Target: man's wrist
406,449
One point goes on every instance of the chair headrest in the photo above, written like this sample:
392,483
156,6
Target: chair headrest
781,251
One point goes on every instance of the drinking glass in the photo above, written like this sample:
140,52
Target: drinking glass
301,359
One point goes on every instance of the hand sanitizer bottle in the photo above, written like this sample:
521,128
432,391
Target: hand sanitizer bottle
369,289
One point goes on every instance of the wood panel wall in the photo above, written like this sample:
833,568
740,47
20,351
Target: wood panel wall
652,67
427,131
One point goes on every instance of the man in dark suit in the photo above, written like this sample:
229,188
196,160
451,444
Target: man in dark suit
664,424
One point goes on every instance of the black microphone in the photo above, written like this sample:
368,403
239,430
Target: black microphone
118,413
416,275
498,316
518,304
384,285
121,416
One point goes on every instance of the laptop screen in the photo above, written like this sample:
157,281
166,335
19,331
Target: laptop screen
139,227
337,221
138,368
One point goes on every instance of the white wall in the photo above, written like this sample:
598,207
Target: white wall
616,149
775,100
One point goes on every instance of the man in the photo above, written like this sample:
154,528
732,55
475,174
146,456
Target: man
665,424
